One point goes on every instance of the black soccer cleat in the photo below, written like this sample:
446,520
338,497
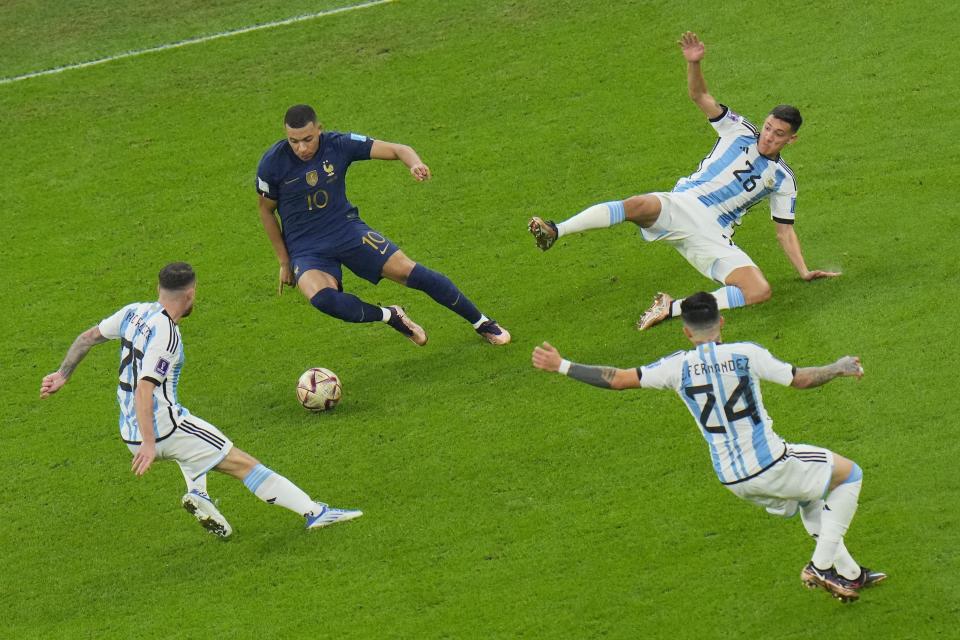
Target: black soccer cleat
868,578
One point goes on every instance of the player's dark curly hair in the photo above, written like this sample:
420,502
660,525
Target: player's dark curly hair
789,114
299,115
700,310
177,276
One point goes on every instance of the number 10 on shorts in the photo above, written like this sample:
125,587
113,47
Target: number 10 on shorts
375,241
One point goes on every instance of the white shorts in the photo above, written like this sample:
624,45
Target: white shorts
195,444
802,475
693,230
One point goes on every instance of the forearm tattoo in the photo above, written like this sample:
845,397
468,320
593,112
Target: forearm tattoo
76,353
597,376
816,376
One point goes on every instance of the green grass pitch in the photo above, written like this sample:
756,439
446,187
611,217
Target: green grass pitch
500,502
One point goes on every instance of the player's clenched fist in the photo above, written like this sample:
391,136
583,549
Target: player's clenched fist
546,357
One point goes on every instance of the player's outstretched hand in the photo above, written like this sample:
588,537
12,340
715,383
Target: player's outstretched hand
146,454
816,274
51,384
546,357
693,49
420,172
286,277
850,366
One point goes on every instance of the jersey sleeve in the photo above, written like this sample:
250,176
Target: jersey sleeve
730,124
161,351
266,182
356,146
767,367
110,327
662,374
783,200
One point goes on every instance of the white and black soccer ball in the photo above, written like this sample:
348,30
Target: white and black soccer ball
319,389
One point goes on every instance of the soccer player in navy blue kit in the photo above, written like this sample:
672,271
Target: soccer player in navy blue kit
301,179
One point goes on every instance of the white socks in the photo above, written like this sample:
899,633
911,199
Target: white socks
273,488
599,216
200,484
835,517
842,560
728,297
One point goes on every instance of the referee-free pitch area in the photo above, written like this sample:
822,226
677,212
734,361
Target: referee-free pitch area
499,501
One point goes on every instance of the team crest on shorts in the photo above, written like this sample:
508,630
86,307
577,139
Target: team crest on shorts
162,367
312,178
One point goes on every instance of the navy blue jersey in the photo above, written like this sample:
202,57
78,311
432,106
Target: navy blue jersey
311,196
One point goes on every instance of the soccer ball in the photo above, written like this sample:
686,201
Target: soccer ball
318,389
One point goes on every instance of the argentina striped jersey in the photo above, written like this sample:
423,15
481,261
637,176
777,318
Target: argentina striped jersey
150,348
720,384
735,176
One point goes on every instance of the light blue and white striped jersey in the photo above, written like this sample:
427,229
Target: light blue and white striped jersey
150,348
720,384
735,176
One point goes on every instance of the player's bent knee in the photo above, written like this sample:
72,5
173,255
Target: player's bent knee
642,209
238,463
633,204
844,470
758,293
398,268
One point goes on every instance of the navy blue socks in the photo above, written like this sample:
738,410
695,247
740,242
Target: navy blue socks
442,290
346,306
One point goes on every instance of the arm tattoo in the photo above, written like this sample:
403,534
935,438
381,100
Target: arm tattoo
77,351
816,376
597,376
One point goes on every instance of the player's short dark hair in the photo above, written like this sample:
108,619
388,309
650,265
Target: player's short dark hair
177,276
700,310
299,115
789,114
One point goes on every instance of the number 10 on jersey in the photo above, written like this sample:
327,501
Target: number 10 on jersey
317,200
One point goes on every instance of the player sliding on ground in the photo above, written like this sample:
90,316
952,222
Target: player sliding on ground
151,358
720,384
700,215
302,179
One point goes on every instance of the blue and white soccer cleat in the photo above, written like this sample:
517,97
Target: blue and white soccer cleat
493,333
836,585
200,506
402,323
543,231
326,515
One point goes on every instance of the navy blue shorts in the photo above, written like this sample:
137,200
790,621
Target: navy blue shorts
364,254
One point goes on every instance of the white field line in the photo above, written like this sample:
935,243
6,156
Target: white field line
198,40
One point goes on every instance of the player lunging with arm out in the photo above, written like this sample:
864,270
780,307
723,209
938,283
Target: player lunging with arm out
153,423
301,181
720,385
700,215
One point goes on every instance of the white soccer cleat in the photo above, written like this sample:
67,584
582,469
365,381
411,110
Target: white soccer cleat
326,515
200,506
658,312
